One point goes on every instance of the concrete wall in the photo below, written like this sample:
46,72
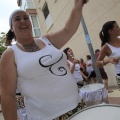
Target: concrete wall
95,13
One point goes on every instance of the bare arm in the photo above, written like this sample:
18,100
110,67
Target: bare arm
8,85
105,51
61,37
71,68
84,76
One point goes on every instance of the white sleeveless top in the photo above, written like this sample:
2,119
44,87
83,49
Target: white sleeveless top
89,69
76,74
45,81
115,53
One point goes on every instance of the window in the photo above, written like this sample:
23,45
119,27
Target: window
35,26
46,10
30,4
23,4
47,16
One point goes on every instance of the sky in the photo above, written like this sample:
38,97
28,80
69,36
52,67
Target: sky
6,8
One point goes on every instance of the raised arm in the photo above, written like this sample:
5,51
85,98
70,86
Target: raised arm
8,85
61,37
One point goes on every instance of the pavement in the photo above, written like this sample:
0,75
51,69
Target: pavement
113,97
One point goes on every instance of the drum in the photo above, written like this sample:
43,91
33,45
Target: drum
22,114
94,94
98,112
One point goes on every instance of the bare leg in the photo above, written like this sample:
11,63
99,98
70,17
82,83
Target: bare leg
106,83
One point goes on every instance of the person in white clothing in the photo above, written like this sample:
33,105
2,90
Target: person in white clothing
74,67
90,69
110,47
37,68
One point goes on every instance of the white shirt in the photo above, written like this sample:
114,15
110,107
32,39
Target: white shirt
45,81
115,53
76,74
89,69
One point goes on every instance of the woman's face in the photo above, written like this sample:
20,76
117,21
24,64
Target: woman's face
70,52
116,30
21,24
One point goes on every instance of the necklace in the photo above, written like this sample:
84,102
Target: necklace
33,47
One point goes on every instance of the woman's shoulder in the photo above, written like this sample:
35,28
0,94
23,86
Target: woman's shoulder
7,56
106,49
8,52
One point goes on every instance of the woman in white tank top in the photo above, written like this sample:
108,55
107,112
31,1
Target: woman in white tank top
110,43
37,68
75,68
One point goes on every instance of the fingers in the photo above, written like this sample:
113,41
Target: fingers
114,60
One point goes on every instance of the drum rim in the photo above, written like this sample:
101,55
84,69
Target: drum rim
91,85
93,106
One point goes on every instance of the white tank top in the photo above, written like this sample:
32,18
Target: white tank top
76,74
115,53
45,81
89,69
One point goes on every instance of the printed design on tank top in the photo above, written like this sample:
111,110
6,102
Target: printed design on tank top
61,70
77,68
49,44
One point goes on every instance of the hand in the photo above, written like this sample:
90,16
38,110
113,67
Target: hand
86,78
117,59
80,3
75,61
114,60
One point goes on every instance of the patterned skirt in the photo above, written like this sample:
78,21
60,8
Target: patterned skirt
20,101
118,81
81,105
72,112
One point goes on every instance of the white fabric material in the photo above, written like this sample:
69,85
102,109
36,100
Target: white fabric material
76,74
89,69
94,93
22,114
116,54
45,81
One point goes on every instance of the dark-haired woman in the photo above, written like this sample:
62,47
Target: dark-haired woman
110,44
75,67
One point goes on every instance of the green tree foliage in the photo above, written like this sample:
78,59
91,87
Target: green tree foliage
2,43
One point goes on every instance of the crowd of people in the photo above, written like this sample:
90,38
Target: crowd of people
38,70
75,67
83,72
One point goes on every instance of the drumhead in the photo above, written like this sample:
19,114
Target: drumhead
92,87
98,112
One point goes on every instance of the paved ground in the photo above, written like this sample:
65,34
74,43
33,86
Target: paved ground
113,97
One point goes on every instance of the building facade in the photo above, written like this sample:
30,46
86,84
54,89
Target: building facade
53,14
29,7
